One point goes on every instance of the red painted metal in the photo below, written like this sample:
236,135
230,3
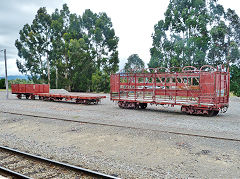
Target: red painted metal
78,98
42,92
198,91
14,88
29,88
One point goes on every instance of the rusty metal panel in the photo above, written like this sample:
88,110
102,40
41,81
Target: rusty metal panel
30,88
45,88
207,83
114,83
39,88
15,88
22,88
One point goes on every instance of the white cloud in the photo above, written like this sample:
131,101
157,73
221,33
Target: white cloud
133,21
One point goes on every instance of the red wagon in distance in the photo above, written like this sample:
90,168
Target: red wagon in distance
41,91
28,89
198,91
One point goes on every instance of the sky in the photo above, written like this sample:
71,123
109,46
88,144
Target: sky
133,21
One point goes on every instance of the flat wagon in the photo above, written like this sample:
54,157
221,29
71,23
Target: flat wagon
41,91
78,98
198,91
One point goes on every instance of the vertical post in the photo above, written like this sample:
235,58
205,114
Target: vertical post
48,68
56,77
6,77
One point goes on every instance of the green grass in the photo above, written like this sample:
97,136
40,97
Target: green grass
5,89
231,94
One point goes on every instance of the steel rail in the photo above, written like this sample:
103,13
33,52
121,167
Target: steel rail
60,164
12,173
127,127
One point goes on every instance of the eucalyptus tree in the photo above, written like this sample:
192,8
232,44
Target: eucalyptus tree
195,32
64,27
82,64
102,39
181,38
225,37
103,45
134,62
77,49
34,47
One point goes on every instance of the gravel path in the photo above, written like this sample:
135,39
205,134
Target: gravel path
127,153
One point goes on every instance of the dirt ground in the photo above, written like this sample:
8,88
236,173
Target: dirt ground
145,152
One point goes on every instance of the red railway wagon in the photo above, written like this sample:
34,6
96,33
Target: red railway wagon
42,92
198,91
28,89
79,98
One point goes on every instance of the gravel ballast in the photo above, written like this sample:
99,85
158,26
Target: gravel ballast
125,152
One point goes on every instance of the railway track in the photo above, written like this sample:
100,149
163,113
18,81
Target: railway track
127,127
17,164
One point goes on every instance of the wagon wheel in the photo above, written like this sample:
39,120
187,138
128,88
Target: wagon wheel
212,113
120,104
27,96
136,106
215,113
19,96
33,97
143,105
87,102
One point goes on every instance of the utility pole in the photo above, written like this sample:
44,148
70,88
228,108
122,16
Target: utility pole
6,77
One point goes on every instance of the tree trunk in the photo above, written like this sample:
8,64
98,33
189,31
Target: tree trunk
66,74
48,68
56,78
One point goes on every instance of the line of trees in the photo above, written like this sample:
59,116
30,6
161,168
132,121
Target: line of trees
69,51
81,51
2,83
195,33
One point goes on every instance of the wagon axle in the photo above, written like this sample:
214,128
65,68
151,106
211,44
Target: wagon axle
131,105
200,111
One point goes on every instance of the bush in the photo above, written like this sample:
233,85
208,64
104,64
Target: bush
2,84
100,82
20,81
235,80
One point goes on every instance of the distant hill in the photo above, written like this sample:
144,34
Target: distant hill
15,77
